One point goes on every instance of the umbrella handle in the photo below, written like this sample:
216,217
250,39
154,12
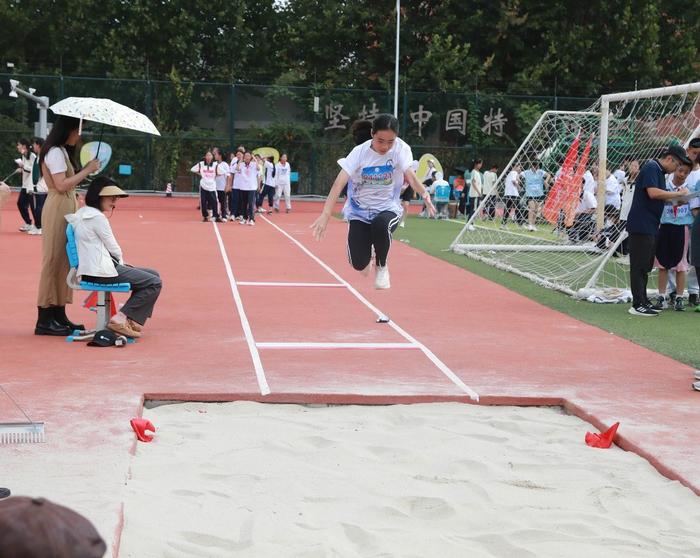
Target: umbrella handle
99,142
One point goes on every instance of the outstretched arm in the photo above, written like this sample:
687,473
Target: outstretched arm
320,224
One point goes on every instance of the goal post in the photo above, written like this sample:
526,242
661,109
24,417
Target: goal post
563,236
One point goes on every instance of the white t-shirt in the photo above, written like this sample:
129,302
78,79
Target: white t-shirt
693,179
248,176
55,160
222,172
283,174
476,178
613,188
490,179
375,179
27,165
589,182
512,184
269,179
621,178
587,202
208,174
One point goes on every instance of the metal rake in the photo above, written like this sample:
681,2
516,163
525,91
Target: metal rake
29,432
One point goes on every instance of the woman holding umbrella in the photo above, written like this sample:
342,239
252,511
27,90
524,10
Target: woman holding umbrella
58,169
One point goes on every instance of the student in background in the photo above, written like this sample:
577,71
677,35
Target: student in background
489,191
475,189
235,197
248,181
283,183
25,201
223,183
206,170
268,188
534,179
511,196
672,242
40,189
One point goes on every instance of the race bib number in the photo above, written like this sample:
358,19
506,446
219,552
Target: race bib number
378,176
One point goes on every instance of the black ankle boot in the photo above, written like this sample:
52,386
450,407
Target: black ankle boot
46,324
59,314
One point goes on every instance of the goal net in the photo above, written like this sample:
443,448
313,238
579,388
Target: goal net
556,212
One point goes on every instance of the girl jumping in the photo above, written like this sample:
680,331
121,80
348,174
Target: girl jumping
374,172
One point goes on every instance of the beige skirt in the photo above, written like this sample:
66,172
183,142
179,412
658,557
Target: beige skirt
53,289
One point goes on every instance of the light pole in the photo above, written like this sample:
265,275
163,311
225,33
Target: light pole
42,103
396,68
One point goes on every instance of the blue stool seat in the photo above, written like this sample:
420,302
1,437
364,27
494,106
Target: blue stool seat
107,287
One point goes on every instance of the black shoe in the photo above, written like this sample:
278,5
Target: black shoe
46,324
59,314
643,310
693,300
672,297
659,305
678,305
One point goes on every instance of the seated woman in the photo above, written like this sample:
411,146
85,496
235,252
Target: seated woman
100,257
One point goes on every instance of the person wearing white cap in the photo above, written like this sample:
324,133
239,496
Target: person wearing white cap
101,261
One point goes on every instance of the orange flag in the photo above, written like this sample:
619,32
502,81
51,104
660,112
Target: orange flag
556,199
574,191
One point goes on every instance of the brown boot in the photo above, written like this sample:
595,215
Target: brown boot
123,329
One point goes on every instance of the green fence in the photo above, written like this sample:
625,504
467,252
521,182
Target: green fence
194,116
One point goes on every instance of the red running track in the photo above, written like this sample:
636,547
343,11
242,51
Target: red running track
506,348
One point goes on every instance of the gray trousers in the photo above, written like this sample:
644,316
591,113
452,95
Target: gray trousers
145,288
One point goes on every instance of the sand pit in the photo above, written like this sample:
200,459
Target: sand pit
248,479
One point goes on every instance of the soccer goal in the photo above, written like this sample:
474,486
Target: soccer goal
546,217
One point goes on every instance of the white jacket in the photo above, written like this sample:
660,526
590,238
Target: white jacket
96,243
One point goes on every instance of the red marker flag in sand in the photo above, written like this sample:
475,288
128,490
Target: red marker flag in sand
91,303
140,425
574,191
556,199
603,440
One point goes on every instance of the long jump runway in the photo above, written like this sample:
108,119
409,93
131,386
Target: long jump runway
266,313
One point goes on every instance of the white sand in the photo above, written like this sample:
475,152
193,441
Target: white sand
440,480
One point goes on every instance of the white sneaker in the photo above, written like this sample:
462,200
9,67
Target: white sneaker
251,223
25,228
533,228
381,280
402,225
471,228
697,374
35,231
243,222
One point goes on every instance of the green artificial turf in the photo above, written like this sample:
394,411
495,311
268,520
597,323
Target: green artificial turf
676,334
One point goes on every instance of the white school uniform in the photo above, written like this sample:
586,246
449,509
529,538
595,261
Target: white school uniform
283,185
247,176
222,172
375,180
269,172
208,174
613,188
511,189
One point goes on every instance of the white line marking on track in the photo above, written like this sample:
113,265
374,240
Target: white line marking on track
282,284
257,363
426,351
337,346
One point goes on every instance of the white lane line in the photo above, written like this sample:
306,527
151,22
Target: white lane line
337,346
257,363
426,351
283,284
